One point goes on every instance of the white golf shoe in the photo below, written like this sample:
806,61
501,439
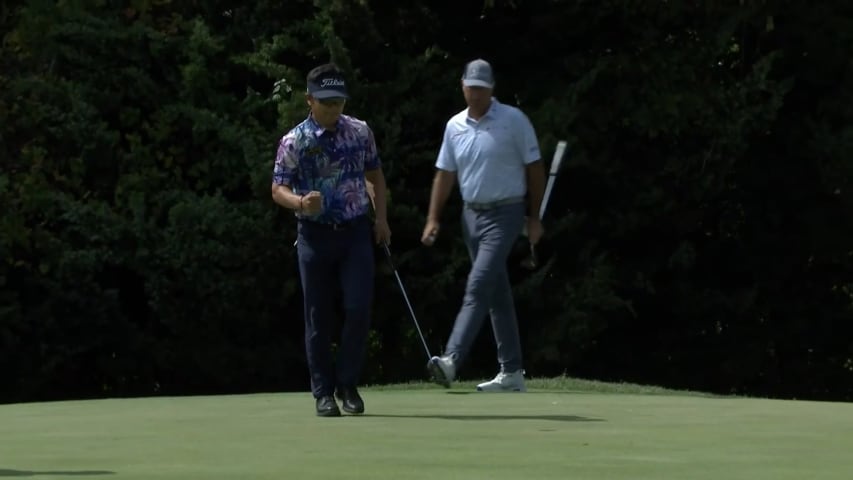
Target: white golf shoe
504,382
442,369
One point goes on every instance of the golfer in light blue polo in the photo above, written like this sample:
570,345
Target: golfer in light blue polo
491,150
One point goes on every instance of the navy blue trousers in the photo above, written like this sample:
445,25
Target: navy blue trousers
336,265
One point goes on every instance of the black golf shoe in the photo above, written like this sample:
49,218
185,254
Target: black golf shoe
327,407
350,400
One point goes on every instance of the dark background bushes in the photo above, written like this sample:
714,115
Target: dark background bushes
699,235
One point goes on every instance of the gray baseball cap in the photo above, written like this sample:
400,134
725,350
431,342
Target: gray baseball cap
478,73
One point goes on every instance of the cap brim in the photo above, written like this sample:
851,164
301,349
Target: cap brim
324,94
477,83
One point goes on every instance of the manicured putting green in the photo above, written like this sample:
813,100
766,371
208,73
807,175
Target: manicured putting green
415,432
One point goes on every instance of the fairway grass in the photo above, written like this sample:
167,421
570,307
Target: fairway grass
421,432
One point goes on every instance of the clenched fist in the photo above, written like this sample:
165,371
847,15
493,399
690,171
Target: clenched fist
312,203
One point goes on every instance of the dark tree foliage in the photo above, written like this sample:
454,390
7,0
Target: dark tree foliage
700,234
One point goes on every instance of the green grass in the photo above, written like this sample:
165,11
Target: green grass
561,429
562,384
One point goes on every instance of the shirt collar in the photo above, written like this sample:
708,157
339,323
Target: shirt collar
493,105
318,129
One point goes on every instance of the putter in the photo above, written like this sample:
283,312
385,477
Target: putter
387,250
532,261
406,298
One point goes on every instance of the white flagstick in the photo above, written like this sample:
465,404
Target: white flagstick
560,151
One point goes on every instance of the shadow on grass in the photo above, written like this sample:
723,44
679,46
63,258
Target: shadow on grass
529,392
597,392
33,473
553,418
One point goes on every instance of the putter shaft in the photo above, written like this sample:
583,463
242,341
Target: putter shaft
406,298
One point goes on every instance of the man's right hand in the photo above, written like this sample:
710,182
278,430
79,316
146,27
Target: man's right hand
430,232
312,203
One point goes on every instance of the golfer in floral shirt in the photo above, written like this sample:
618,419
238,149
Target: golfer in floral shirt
322,170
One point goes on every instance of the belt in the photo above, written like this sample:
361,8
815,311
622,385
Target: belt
495,204
336,227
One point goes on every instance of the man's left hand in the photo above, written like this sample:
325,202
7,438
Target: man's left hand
381,231
535,230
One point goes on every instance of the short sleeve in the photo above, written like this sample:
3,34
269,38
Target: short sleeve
446,158
371,153
286,165
528,144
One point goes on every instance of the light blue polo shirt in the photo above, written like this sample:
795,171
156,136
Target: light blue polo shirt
489,156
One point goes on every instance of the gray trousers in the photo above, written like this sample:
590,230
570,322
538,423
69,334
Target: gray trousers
489,235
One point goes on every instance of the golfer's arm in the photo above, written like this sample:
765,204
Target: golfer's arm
377,181
284,196
535,173
442,185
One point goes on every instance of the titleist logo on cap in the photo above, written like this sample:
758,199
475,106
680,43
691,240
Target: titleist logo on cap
331,82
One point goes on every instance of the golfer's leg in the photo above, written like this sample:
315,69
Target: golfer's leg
317,271
465,327
505,326
490,249
357,269
502,308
